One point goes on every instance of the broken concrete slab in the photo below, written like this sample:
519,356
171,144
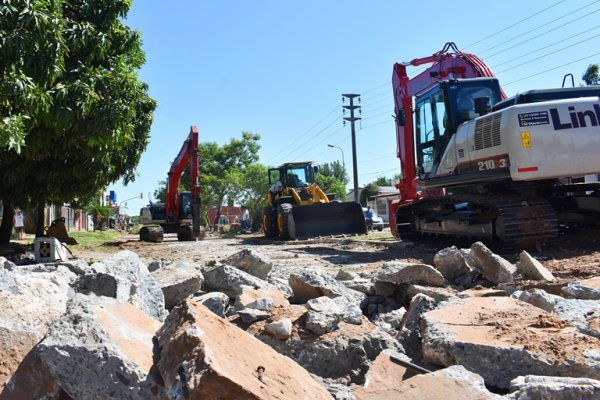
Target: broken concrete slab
587,289
125,278
260,299
251,261
251,315
325,314
230,280
553,388
178,281
502,338
384,378
451,263
196,363
585,314
101,331
480,291
410,334
311,284
537,297
439,294
217,302
398,273
452,383
495,268
530,268
30,303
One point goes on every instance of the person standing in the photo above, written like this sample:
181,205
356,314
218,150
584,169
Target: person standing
245,219
19,224
369,218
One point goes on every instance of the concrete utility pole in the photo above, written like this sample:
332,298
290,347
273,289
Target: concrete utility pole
352,118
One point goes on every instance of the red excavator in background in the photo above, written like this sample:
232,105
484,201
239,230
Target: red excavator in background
475,164
180,213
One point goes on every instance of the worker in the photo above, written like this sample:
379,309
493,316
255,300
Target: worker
245,219
275,190
19,223
369,218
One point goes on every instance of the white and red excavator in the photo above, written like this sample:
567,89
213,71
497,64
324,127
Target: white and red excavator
180,213
479,165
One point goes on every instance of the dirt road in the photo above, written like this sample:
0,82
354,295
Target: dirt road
576,255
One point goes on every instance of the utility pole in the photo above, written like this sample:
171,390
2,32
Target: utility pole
352,118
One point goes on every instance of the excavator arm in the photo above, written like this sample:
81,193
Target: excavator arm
188,155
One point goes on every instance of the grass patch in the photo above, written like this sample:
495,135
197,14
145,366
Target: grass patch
96,239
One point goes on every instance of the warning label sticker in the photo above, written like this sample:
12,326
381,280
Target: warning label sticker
534,118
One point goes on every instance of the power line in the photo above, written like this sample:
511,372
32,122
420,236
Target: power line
314,136
515,24
519,58
541,26
541,34
549,54
551,69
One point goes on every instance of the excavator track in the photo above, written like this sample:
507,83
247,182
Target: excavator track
508,223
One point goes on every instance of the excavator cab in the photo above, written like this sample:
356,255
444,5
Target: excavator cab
440,111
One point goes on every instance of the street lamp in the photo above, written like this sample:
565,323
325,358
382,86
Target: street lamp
141,196
343,162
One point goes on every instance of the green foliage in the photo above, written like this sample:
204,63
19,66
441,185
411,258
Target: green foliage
336,170
383,181
74,117
332,178
331,184
227,171
96,239
592,75
222,169
368,191
99,213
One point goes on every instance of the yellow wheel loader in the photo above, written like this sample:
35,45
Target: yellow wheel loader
299,209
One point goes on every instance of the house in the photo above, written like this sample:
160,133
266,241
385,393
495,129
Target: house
380,202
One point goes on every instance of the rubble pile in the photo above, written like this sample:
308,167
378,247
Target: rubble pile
471,326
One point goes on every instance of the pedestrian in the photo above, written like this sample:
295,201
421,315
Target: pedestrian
245,219
19,223
369,217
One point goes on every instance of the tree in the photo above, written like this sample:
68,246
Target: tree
74,115
222,168
383,181
592,75
253,191
369,190
332,179
224,173
336,170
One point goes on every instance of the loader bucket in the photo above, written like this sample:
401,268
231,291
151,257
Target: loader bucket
324,219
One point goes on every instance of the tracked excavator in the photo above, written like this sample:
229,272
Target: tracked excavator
299,209
180,213
478,165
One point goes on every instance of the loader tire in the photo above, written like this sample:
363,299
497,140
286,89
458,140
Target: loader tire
269,222
284,215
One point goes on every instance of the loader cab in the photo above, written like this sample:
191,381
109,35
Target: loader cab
440,111
293,174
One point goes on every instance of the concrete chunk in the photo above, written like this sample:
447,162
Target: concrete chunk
531,268
196,363
495,268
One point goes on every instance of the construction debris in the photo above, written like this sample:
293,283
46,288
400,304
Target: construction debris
264,330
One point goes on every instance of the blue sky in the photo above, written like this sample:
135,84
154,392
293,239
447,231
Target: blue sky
278,68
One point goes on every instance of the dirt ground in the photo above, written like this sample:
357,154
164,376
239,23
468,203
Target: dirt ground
576,255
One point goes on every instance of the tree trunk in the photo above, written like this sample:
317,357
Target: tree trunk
7,224
39,220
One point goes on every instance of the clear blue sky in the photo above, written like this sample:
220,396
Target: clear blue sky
278,68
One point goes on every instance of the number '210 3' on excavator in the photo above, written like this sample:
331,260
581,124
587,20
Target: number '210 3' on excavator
477,164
